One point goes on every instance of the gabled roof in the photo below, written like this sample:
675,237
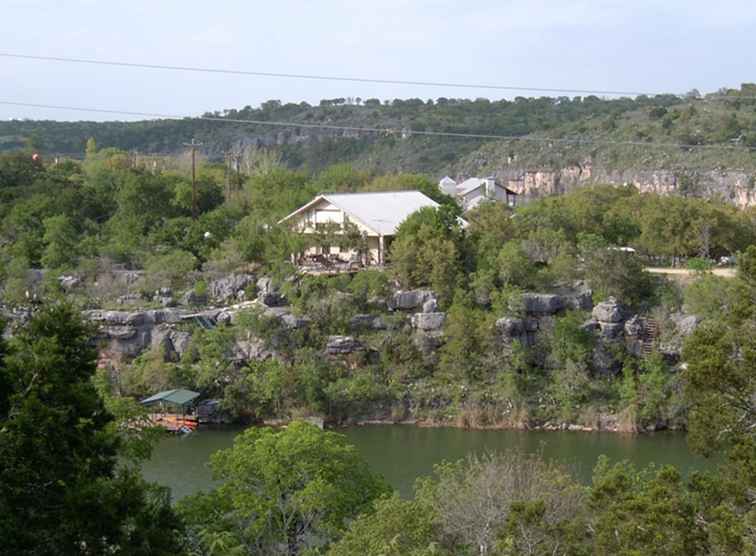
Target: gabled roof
178,396
471,184
382,211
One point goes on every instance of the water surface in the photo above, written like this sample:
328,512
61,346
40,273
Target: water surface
401,453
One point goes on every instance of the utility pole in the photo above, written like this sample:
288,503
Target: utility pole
194,144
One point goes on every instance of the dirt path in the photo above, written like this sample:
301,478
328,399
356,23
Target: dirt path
724,272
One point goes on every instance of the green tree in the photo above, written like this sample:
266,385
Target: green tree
643,513
285,491
395,527
61,490
427,251
60,242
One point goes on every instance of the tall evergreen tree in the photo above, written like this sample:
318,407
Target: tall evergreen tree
61,490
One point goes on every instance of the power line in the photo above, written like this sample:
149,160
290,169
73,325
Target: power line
352,79
405,132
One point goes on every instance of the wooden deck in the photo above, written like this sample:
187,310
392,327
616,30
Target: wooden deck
174,423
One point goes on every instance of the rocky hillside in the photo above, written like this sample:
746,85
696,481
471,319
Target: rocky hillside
565,142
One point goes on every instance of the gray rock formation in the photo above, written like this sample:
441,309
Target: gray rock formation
343,345
127,334
428,321
230,289
430,305
579,301
174,343
405,300
609,311
251,349
268,295
69,282
542,303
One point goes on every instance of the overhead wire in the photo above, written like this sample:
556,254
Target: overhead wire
353,79
379,130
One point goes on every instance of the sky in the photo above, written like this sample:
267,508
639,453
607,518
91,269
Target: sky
655,46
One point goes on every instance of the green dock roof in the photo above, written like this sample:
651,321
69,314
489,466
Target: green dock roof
178,396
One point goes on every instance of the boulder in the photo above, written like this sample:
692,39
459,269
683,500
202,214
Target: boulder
633,327
685,325
251,349
342,345
264,285
294,322
409,299
579,301
430,305
68,282
542,303
510,327
180,340
608,311
428,321
229,288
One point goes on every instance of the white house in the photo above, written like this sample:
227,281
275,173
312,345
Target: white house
473,191
375,215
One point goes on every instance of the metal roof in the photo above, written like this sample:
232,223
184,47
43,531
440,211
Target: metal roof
471,184
381,211
178,396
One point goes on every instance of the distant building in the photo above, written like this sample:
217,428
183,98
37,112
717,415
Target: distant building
373,216
473,191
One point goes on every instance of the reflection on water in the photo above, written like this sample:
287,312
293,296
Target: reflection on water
401,453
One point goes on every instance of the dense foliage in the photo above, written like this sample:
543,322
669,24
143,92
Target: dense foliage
62,489
724,118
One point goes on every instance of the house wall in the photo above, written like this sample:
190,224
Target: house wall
321,213
477,196
324,212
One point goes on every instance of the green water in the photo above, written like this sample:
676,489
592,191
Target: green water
401,453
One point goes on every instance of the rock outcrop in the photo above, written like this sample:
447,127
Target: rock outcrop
542,303
343,345
127,334
406,300
529,182
231,288
428,321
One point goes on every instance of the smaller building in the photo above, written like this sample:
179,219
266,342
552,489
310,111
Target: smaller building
353,228
473,191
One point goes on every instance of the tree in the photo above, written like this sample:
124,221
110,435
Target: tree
61,490
647,512
394,527
91,148
60,242
427,251
474,500
285,491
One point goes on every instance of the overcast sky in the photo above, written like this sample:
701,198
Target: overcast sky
655,46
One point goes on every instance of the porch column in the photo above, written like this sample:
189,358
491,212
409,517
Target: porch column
381,256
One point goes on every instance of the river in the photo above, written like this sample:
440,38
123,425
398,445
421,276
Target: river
401,453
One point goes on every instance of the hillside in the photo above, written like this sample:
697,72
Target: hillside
563,142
